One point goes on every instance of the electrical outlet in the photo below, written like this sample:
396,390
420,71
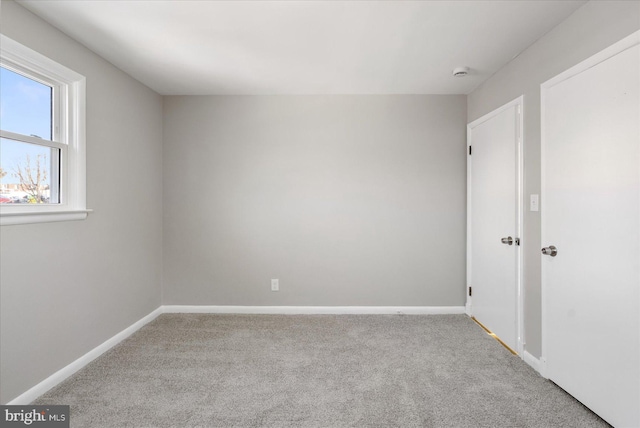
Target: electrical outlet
275,285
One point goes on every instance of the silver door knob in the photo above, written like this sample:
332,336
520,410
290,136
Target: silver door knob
550,251
508,240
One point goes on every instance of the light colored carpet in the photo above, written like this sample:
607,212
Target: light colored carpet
192,370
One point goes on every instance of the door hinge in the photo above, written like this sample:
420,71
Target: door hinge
469,150
469,291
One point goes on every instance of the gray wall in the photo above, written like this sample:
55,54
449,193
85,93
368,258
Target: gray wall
590,29
348,200
67,287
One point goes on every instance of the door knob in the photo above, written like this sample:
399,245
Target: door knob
508,240
550,251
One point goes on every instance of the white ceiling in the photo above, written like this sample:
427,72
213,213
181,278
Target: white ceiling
306,47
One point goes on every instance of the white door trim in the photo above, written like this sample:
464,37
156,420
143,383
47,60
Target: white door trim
621,46
519,103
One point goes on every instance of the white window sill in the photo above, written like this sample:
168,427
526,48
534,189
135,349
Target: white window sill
7,219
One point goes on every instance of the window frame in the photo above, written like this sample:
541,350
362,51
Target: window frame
67,134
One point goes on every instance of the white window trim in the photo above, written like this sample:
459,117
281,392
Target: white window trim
71,113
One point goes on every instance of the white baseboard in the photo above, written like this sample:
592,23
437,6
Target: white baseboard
309,310
536,363
62,374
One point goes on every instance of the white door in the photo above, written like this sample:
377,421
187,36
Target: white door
591,214
494,221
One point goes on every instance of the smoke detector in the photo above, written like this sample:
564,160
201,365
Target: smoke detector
460,71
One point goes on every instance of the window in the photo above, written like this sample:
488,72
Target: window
42,147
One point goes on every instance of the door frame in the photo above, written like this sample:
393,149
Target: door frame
618,47
519,280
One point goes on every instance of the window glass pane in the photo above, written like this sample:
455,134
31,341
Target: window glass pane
25,105
29,173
